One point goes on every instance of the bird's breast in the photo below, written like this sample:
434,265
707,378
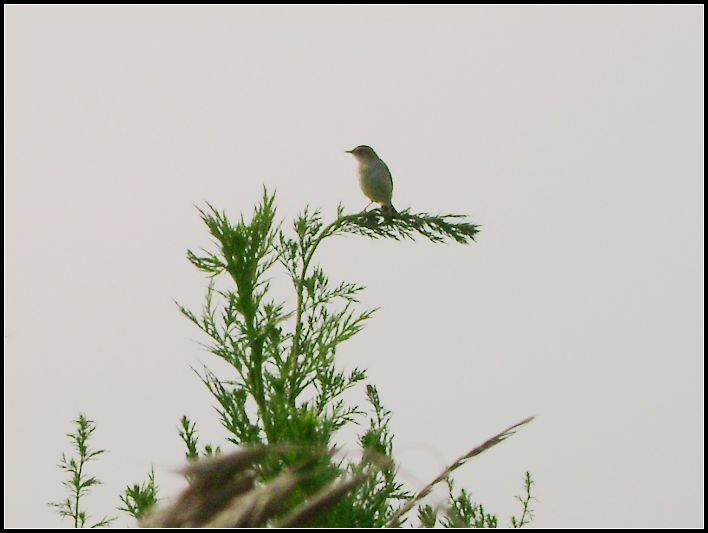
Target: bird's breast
375,182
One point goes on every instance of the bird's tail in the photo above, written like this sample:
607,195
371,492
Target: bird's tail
389,210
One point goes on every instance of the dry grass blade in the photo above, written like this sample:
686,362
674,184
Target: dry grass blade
213,483
206,470
223,493
496,439
255,508
320,503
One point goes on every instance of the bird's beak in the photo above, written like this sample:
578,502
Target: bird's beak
347,151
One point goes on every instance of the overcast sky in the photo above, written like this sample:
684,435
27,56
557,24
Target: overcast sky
573,135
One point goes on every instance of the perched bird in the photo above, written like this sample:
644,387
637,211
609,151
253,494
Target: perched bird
374,178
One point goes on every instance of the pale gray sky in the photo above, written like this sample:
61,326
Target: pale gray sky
574,135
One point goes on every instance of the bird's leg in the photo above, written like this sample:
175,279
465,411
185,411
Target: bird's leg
387,210
363,212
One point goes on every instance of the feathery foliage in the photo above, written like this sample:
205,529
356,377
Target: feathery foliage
525,500
139,498
282,401
406,225
188,434
284,358
79,483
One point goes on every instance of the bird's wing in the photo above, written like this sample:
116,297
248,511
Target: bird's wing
388,173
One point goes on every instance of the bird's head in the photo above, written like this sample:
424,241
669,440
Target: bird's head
363,153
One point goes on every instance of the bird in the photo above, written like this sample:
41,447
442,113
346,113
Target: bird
374,178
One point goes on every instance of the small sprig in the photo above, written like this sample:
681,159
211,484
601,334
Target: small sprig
526,511
188,434
79,484
464,512
139,498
